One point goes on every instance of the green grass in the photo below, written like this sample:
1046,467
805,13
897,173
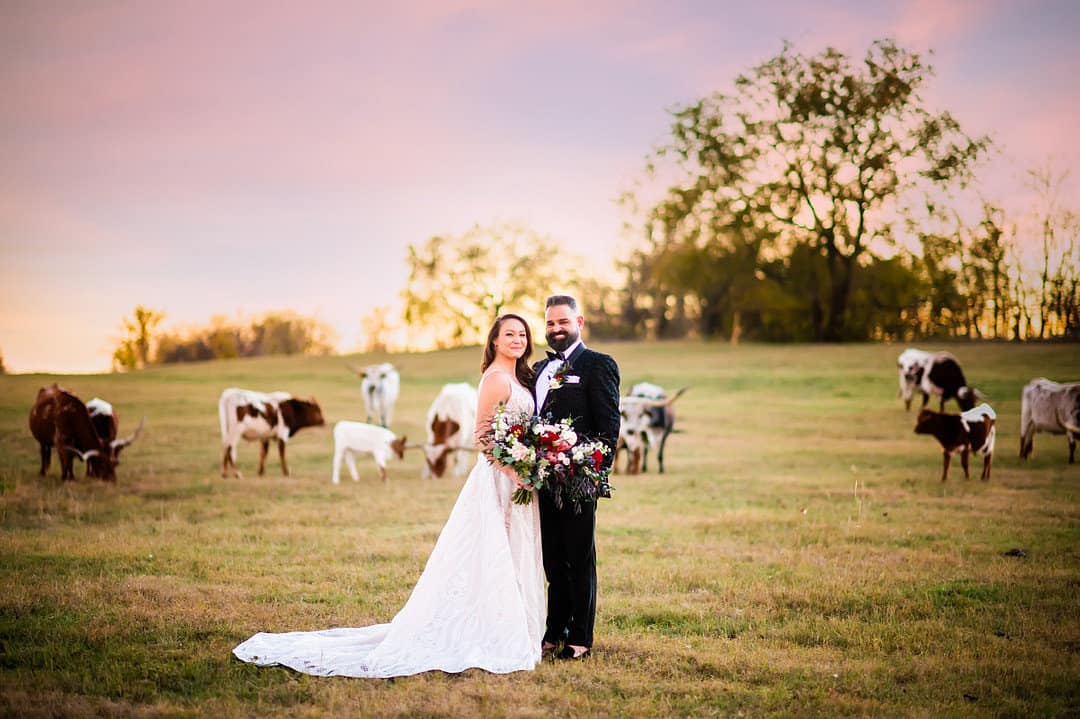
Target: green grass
799,558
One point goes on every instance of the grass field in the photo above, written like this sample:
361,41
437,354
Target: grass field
799,558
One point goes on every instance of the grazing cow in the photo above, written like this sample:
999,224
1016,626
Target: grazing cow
380,386
1048,406
107,423
59,418
245,414
942,376
910,366
451,421
351,438
970,431
648,418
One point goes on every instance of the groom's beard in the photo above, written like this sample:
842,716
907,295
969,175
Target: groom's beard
560,340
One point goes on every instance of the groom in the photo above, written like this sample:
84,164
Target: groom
583,385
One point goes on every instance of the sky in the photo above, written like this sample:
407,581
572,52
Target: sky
233,158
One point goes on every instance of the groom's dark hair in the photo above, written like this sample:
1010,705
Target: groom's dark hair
561,300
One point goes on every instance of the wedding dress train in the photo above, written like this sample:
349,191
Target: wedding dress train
478,603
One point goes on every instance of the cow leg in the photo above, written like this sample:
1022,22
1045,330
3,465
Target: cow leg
964,461
941,406
67,458
226,459
1072,447
46,458
925,399
644,453
987,460
351,461
281,454
264,447
660,451
945,472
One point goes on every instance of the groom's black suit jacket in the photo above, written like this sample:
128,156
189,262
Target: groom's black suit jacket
592,403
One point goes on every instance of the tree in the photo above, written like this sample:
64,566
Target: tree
3,369
458,285
133,351
812,151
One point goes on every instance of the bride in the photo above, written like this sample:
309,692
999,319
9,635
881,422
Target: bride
480,600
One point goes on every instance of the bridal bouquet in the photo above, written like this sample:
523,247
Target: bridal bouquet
549,454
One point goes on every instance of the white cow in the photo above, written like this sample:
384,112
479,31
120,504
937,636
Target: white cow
910,367
380,386
451,421
1053,407
352,438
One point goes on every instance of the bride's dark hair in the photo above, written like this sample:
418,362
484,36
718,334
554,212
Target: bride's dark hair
521,367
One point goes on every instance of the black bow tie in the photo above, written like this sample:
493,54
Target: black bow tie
556,356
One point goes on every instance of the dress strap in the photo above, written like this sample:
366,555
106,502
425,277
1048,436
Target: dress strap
505,375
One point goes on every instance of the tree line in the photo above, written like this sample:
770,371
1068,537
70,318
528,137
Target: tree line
819,199
274,333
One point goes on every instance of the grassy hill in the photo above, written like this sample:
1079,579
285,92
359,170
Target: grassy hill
800,557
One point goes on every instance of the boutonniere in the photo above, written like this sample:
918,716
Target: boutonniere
562,376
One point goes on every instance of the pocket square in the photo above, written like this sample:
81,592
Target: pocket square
572,379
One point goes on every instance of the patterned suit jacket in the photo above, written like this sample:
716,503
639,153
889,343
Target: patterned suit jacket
592,401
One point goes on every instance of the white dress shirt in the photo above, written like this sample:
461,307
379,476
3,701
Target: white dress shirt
543,380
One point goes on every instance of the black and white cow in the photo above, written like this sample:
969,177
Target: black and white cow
943,377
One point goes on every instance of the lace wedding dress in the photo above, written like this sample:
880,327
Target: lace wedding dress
478,603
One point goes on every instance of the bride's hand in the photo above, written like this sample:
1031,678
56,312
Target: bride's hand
512,474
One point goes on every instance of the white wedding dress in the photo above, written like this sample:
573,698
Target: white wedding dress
478,603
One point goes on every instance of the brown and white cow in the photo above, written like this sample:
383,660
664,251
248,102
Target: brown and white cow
451,422
1053,407
970,431
60,419
245,414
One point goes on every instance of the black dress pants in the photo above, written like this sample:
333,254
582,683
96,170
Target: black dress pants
570,565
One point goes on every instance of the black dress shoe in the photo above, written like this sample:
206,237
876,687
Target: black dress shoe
568,653
548,652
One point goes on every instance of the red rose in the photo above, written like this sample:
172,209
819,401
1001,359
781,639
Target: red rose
597,458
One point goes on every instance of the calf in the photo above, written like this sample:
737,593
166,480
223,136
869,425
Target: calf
451,421
351,438
1052,407
59,418
245,414
910,366
380,386
647,419
970,431
942,376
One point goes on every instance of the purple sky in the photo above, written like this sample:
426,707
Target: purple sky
204,157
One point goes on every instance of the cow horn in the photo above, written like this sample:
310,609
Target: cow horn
1061,420
414,445
121,443
666,402
82,455
979,395
356,370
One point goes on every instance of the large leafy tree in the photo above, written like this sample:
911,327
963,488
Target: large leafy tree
459,284
819,152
